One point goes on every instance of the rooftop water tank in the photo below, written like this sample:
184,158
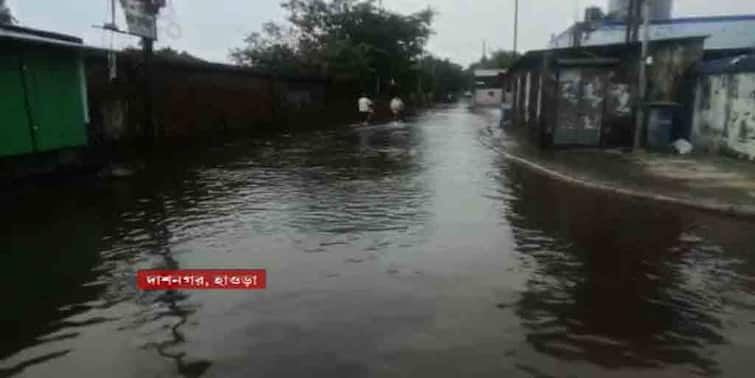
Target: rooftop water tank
594,14
659,9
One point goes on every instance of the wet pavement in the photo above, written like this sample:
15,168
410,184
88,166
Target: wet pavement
703,179
392,251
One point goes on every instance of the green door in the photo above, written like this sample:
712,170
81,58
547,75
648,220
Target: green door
54,84
15,134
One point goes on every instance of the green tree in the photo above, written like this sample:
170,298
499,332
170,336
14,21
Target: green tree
342,37
273,49
442,77
169,53
166,53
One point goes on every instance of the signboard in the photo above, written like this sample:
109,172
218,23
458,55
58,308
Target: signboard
141,17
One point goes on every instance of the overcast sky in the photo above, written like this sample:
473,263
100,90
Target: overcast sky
209,28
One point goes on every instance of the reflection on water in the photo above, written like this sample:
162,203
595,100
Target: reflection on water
621,283
173,304
392,250
76,249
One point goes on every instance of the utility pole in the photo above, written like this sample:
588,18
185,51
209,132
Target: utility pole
112,57
149,123
136,21
516,25
636,19
148,45
629,21
642,92
420,72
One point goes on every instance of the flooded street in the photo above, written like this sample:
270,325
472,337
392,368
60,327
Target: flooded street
392,251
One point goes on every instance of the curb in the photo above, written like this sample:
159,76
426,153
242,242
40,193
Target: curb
734,210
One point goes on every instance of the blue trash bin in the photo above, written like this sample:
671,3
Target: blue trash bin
660,125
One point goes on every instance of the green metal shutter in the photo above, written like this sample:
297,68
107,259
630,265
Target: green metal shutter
53,79
15,133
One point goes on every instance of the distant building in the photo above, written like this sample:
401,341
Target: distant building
488,87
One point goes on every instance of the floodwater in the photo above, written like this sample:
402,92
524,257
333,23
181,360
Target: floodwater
392,251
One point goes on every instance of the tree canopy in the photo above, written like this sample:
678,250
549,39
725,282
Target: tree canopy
167,53
353,38
442,77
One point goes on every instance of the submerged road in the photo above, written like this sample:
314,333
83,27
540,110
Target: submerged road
392,251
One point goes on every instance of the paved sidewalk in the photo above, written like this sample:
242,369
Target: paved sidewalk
706,182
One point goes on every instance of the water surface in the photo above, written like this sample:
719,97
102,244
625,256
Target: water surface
410,250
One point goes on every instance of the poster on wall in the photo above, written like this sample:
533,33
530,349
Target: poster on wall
141,17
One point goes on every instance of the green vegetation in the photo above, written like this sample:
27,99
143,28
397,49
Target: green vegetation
353,39
441,77
167,53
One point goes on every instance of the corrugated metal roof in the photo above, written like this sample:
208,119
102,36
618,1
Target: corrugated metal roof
740,63
593,51
689,20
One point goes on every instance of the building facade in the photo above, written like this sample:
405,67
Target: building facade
43,99
583,97
488,87
724,115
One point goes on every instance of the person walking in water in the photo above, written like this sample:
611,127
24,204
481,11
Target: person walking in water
365,109
397,107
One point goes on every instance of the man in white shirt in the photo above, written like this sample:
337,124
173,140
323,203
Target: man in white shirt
397,106
365,109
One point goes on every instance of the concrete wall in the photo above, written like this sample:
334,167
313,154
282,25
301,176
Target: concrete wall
199,100
724,117
488,97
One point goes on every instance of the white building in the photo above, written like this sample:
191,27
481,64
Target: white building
724,32
488,87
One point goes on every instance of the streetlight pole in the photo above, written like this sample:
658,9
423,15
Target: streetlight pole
629,21
516,25
148,45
